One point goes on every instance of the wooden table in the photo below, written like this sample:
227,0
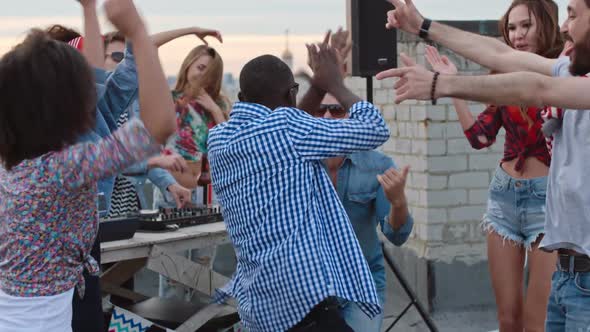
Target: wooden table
186,238
158,252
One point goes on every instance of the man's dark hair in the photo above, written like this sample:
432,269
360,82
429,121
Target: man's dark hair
48,98
266,80
112,37
62,33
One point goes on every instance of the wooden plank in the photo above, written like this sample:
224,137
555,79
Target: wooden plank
122,271
124,254
108,288
184,271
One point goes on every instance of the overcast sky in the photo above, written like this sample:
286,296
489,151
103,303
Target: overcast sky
250,27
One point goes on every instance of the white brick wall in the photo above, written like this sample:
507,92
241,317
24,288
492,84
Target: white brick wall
447,164
446,198
469,180
478,196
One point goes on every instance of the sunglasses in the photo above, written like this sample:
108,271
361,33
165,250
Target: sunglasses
116,56
337,111
294,89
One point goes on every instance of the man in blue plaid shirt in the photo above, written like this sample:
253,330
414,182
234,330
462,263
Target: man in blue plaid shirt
296,249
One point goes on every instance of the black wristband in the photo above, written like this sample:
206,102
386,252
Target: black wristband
424,28
433,88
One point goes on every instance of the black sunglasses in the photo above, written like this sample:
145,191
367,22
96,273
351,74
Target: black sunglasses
337,111
294,89
116,56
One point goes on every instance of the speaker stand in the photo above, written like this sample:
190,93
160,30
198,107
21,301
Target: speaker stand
369,89
411,294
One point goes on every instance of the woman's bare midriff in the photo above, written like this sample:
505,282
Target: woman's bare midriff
533,168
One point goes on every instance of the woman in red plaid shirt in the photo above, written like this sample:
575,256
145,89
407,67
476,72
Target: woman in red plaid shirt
515,217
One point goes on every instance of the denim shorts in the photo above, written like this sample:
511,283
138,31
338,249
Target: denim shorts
516,208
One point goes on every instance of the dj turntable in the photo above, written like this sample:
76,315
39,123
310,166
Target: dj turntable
173,218
163,219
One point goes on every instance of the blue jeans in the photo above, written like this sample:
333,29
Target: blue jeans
569,303
516,208
358,320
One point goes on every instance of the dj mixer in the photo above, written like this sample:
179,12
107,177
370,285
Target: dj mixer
163,219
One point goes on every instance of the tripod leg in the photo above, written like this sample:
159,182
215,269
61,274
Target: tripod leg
399,316
411,294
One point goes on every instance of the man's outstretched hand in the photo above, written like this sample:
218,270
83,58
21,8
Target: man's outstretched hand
415,82
405,17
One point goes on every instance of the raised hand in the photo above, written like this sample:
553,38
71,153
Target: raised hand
202,33
310,55
415,82
405,17
327,70
124,16
441,64
342,44
394,185
323,60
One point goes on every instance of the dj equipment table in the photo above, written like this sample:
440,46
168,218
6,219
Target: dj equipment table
158,252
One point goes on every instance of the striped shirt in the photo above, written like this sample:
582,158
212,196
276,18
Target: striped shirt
294,243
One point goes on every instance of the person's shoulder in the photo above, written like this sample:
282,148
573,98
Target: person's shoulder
374,159
219,128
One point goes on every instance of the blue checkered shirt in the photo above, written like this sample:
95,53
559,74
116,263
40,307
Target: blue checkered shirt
294,243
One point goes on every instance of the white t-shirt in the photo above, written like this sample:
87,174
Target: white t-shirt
36,314
568,192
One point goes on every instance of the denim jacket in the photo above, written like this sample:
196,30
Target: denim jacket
115,91
367,206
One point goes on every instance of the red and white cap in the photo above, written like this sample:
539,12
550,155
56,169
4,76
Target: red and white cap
77,43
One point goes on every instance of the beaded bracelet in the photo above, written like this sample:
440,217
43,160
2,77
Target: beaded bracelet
433,89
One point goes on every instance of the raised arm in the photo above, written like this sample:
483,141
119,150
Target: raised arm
314,95
391,205
480,133
155,101
164,37
317,138
487,51
93,45
327,73
342,45
521,88
119,88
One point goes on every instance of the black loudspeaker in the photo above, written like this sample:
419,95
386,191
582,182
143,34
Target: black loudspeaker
374,47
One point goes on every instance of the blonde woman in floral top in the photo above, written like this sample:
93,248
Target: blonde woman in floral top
199,107
48,215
